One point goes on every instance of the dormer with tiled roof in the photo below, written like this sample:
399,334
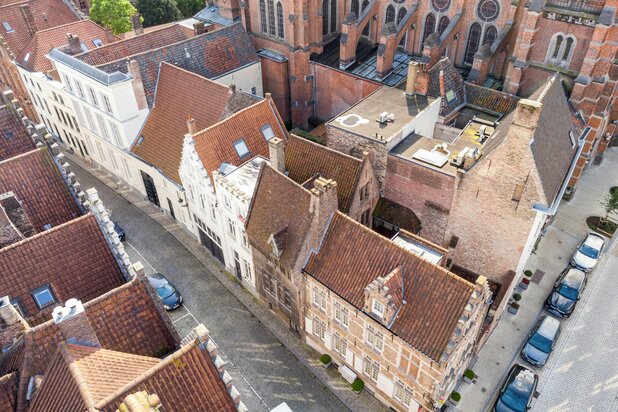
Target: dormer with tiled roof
384,296
14,222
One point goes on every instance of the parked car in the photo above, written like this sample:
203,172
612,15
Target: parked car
541,341
518,390
167,292
587,254
119,231
567,291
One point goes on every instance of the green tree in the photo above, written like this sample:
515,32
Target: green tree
610,203
113,14
157,12
189,8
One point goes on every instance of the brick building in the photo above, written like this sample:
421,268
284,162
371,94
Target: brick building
403,324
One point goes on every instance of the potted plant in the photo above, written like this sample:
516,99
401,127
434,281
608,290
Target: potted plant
516,297
528,273
469,376
513,308
455,398
358,385
325,360
525,282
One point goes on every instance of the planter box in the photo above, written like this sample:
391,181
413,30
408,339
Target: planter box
467,380
513,309
326,365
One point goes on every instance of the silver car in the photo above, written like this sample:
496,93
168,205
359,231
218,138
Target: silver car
587,254
541,341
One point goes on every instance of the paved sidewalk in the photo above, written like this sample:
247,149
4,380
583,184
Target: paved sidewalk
552,256
307,356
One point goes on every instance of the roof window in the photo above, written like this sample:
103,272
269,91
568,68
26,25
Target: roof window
8,27
27,57
268,132
97,42
8,135
241,148
43,296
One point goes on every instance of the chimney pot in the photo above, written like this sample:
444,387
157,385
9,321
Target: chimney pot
232,88
75,45
74,324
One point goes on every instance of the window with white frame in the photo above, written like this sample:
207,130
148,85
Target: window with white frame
245,239
80,90
93,96
102,126
402,393
78,112
126,168
247,267
116,134
113,157
67,83
319,328
231,227
227,202
375,338
340,345
340,314
371,368
91,124
101,152
377,308
107,103
319,298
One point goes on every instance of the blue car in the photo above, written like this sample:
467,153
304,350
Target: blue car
168,294
518,390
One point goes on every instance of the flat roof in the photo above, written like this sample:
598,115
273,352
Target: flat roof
418,248
362,118
245,177
422,150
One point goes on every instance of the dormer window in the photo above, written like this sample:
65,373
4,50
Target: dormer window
377,308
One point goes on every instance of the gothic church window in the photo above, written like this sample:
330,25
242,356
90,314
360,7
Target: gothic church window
401,14
441,5
430,26
263,23
488,10
280,23
271,18
329,17
390,14
444,21
491,33
560,51
366,29
474,39
355,8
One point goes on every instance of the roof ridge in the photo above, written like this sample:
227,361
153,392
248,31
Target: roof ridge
64,25
193,74
13,4
550,82
31,152
199,133
330,149
46,232
148,373
79,380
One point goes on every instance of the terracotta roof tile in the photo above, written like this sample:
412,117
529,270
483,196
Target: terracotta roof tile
57,258
305,159
13,137
435,298
179,94
14,222
279,207
8,390
45,40
37,182
493,100
210,55
135,45
215,145
126,319
46,14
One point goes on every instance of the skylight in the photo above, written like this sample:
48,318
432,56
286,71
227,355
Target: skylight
8,27
241,148
267,131
27,57
84,47
97,42
8,135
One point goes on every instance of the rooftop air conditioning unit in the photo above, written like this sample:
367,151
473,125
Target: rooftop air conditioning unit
482,133
347,373
459,159
391,117
383,117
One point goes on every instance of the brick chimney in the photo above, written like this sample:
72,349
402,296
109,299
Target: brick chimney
14,324
411,80
199,28
140,402
191,127
443,101
422,79
75,45
323,204
136,24
74,324
138,86
229,9
527,113
276,150
27,14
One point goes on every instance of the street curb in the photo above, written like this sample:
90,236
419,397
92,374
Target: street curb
290,342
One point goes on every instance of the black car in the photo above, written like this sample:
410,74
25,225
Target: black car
518,390
167,292
567,291
119,231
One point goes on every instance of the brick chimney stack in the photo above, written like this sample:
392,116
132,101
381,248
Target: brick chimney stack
27,14
422,79
75,45
276,152
136,23
199,28
14,323
138,86
191,126
411,81
323,203
74,324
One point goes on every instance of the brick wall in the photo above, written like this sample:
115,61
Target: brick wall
276,82
358,206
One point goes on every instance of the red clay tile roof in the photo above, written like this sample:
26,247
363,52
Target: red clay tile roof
126,319
57,258
493,100
279,207
305,159
14,222
215,145
435,298
88,378
8,390
134,45
45,40
13,137
179,94
46,14
37,182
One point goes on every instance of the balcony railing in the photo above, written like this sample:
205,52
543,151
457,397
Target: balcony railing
586,6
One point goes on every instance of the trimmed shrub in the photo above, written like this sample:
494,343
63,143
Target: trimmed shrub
358,385
516,297
456,396
325,359
528,273
469,373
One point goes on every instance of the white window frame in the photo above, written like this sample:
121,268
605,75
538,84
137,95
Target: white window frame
377,308
319,328
340,314
374,338
403,393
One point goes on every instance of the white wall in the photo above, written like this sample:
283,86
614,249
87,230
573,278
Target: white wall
423,124
245,79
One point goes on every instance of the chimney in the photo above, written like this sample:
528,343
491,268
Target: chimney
27,14
191,127
138,86
136,23
232,88
276,152
199,28
323,204
443,102
74,324
109,34
411,81
14,324
422,79
75,45
140,402
527,114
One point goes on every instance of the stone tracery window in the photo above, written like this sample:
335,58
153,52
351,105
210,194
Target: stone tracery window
329,17
366,29
491,33
280,22
263,23
430,26
474,39
390,14
271,18
444,21
488,10
355,8
441,5
561,49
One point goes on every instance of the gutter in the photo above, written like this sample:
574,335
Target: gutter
550,211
